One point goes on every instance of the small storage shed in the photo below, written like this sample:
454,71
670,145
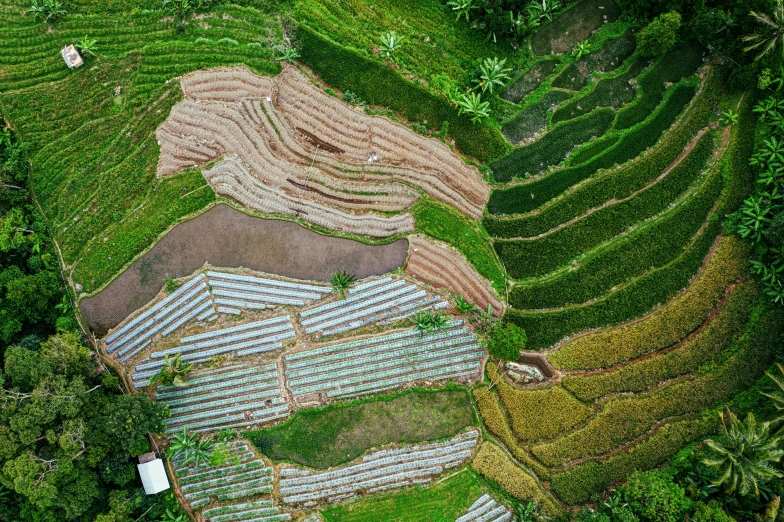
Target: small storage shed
71,57
153,474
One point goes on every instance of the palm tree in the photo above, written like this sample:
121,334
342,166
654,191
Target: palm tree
173,373
51,10
746,455
773,33
754,218
463,305
190,448
390,43
491,73
425,322
472,104
777,396
461,8
341,281
86,46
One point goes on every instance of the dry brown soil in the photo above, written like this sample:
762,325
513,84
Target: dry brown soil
225,237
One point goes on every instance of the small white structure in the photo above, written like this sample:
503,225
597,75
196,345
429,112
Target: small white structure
153,474
71,57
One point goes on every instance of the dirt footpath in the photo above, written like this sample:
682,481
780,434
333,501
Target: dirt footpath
225,237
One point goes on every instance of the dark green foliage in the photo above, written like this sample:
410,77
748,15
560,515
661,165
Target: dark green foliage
529,81
660,35
570,78
654,246
655,497
553,147
524,198
542,255
610,92
506,341
64,427
618,184
710,512
678,63
379,84
534,118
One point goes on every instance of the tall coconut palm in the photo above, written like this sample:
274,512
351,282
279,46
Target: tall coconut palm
745,454
772,33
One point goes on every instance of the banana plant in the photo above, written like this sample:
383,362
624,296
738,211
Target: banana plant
754,216
472,105
492,73
462,8
390,44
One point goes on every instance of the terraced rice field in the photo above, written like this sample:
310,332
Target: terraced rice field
378,471
265,130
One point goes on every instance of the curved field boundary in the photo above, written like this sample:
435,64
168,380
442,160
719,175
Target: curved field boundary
441,266
223,236
651,333
378,471
575,239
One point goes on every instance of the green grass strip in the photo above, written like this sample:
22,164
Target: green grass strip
553,147
527,197
326,437
654,246
543,255
379,84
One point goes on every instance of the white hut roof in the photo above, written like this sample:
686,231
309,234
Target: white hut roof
153,476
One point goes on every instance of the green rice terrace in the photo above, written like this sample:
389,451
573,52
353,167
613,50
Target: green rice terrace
376,260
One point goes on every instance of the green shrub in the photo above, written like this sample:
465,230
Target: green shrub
710,512
543,254
660,35
533,119
553,147
627,418
674,321
579,483
609,92
684,359
653,246
680,62
617,184
506,341
526,197
379,84
655,497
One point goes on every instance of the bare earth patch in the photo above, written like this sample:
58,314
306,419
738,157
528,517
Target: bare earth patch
573,26
286,147
444,267
223,236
